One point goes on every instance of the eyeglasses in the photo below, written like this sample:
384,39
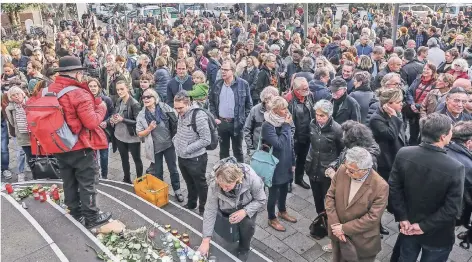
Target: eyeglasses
147,97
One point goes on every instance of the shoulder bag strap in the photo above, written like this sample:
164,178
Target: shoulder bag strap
65,91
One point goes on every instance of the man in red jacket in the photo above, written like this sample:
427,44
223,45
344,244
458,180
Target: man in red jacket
79,168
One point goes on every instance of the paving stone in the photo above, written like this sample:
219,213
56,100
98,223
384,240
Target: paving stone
301,192
322,242
260,233
309,212
391,240
262,219
320,259
314,253
275,244
387,218
386,258
258,245
328,256
302,226
291,255
392,227
299,242
459,254
297,203
386,251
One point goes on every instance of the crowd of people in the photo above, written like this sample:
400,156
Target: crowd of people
373,123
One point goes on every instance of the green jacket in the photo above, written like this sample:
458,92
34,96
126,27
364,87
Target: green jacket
199,91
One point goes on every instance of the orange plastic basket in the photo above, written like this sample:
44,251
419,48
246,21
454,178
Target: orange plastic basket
152,189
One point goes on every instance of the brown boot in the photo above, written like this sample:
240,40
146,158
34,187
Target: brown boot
275,224
285,216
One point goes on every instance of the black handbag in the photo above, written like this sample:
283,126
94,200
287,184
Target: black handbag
44,167
226,230
319,226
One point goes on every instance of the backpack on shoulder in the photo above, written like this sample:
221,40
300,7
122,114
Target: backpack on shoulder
213,129
50,133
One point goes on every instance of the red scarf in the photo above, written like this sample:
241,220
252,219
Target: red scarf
426,82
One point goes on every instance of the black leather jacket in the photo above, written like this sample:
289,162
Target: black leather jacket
302,114
326,145
130,114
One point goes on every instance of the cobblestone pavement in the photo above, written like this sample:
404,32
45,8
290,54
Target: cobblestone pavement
293,245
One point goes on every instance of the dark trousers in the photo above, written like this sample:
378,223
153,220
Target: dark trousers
103,162
410,249
301,151
319,189
193,171
226,133
79,171
466,213
171,160
247,228
414,130
277,195
5,151
135,150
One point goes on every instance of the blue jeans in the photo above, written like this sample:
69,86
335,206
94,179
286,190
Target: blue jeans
171,160
103,162
410,249
5,152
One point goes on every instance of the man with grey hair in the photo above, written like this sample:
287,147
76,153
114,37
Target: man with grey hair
300,105
394,65
412,67
345,107
306,65
345,205
427,213
435,54
377,56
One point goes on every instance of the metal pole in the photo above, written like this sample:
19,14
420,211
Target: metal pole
245,12
395,22
160,5
306,19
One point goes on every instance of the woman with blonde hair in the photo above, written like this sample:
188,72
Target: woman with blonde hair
276,134
251,70
237,192
322,61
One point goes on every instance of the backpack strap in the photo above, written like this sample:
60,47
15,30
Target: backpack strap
65,91
194,120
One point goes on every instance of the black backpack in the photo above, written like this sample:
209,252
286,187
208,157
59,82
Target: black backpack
211,122
172,121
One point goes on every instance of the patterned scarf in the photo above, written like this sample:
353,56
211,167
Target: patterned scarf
181,81
20,118
274,119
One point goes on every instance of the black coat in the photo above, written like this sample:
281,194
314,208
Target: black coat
463,155
378,78
426,187
302,114
349,110
263,80
411,70
326,145
250,77
363,95
130,114
389,133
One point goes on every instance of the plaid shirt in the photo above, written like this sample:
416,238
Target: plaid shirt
419,40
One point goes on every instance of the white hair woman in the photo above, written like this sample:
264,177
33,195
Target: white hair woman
357,187
157,122
237,192
16,117
276,133
252,127
459,69
326,145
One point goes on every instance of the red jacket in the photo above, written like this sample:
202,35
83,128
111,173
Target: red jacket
82,113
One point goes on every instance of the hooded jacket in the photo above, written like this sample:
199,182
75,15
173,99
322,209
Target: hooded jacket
332,50
319,90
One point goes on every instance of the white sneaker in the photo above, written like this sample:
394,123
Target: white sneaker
7,174
21,177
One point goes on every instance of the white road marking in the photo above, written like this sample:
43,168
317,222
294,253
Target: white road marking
38,228
85,231
190,212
